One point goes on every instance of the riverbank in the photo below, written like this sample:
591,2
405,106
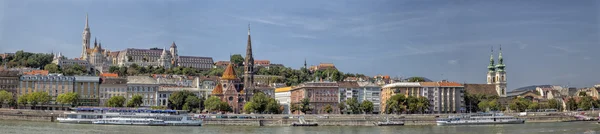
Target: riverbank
286,120
355,120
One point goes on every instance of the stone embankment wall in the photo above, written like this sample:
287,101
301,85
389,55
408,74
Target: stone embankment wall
369,120
323,120
29,115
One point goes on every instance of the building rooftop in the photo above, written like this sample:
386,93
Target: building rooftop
218,89
112,80
229,73
485,89
348,84
283,89
402,84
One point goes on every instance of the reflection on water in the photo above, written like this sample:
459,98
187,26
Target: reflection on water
21,127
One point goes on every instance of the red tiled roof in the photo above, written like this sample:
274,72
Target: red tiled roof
229,73
451,84
486,89
348,84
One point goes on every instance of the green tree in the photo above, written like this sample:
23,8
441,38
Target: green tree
519,104
67,98
396,104
411,104
249,107
533,106
75,69
113,69
294,108
52,68
305,105
423,104
367,106
494,105
353,105
136,101
328,108
582,94
342,107
192,102
555,104
237,59
571,104
215,104
5,97
586,102
273,107
416,79
116,101
23,99
179,98
484,105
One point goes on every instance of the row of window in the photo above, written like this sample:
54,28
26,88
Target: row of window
9,81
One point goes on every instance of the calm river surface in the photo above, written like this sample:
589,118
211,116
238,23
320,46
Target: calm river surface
22,127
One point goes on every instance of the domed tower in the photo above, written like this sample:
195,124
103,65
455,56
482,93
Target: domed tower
491,74
501,75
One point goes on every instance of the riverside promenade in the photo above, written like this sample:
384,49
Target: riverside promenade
368,119
286,120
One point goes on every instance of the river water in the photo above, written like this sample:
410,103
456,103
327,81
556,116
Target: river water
23,127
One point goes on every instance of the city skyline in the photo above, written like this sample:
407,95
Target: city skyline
548,44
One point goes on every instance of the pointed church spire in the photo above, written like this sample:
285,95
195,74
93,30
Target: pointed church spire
249,68
500,60
305,63
95,42
491,67
86,21
500,66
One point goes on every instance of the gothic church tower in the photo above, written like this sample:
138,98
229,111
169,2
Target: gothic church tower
500,75
86,39
248,68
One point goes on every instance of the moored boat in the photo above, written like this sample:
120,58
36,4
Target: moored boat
130,121
479,119
89,115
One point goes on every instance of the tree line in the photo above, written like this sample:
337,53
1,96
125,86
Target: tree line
398,104
27,59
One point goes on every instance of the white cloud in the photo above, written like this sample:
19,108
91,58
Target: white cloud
564,49
453,62
303,36
522,45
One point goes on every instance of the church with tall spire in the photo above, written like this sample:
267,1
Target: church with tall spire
249,68
496,74
97,57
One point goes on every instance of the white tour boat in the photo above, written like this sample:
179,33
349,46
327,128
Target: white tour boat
90,115
480,119
130,121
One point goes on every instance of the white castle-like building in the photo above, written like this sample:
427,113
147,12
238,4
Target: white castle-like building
97,58
497,74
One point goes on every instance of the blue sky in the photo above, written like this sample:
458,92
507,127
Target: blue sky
543,41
